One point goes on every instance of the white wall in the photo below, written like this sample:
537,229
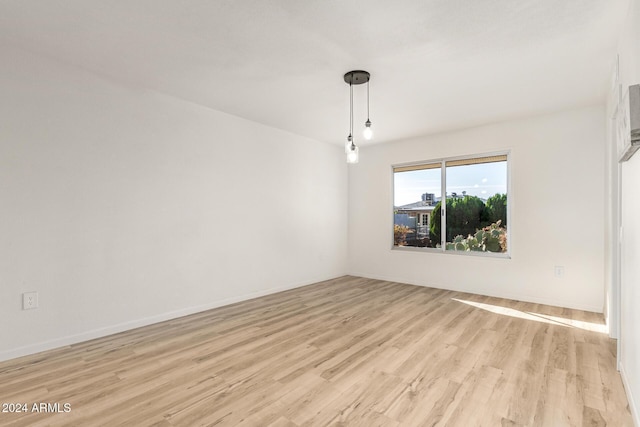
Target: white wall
629,51
557,213
123,207
630,315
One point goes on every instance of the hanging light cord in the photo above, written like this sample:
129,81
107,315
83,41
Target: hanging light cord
368,99
351,112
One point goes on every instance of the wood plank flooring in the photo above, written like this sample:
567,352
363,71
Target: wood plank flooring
346,352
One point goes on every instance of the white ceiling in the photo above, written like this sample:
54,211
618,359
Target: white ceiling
435,65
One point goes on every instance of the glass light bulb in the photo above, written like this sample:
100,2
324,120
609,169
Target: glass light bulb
368,132
352,155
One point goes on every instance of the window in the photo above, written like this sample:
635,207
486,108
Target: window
416,191
470,217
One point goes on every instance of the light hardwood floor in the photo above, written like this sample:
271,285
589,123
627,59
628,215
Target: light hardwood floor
346,352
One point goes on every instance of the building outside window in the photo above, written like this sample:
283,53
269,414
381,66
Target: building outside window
472,216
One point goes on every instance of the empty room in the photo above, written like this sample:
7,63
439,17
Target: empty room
319,213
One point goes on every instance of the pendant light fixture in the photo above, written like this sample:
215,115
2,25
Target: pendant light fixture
367,133
356,77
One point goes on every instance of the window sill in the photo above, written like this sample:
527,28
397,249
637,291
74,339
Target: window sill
505,255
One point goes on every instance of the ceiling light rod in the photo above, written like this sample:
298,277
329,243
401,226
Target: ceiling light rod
356,77
350,137
367,133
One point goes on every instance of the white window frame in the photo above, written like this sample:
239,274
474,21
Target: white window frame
443,206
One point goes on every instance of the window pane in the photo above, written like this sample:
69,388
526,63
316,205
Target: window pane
476,206
416,192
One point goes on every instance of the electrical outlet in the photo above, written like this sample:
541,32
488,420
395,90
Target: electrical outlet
29,300
558,271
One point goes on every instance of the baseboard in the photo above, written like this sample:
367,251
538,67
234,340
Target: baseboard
517,297
122,327
632,406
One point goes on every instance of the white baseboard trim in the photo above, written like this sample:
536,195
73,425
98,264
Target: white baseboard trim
517,297
122,327
632,403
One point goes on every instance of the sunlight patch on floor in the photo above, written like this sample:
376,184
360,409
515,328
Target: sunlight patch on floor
544,318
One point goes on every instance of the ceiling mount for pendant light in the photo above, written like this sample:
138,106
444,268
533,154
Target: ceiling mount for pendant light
356,77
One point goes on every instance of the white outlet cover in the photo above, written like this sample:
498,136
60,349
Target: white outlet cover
558,271
29,300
